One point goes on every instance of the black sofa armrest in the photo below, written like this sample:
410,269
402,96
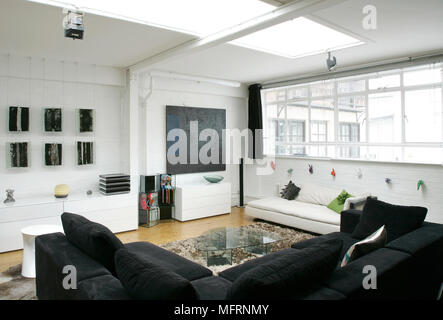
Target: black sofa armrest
52,253
392,268
349,220
425,245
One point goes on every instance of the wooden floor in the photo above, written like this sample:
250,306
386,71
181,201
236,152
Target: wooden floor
162,233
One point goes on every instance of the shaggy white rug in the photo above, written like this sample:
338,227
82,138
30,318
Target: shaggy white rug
187,248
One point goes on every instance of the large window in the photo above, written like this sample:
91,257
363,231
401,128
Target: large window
395,115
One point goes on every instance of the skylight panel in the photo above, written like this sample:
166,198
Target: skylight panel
297,38
197,17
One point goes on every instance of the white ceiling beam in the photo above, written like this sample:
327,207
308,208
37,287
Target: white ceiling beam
281,14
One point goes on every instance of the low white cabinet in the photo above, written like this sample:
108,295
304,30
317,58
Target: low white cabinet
118,212
202,200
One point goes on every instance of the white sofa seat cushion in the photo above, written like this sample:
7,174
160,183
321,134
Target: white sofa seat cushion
299,209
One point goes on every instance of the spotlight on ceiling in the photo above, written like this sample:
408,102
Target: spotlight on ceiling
73,24
331,63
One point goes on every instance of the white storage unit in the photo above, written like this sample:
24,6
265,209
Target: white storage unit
202,200
119,213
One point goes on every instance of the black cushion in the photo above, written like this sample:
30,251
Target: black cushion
417,241
211,288
104,287
289,276
145,280
92,238
349,220
391,271
398,220
168,260
324,293
348,241
235,272
290,192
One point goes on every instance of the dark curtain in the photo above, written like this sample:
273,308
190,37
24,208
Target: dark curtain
255,122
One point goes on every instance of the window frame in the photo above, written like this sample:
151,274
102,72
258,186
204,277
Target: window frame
336,141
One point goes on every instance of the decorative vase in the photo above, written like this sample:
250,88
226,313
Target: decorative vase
213,178
61,191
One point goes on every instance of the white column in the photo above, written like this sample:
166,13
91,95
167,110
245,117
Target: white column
133,131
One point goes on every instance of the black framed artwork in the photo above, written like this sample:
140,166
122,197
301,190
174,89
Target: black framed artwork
86,120
18,119
52,119
18,154
53,154
85,153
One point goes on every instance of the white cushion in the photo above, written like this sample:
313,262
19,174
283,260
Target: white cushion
315,194
357,200
299,209
371,243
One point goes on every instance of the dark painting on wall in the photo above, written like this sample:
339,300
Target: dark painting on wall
53,154
18,119
178,117
86,120
53,120
18,155
85,153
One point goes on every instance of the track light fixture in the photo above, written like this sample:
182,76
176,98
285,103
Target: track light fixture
331,62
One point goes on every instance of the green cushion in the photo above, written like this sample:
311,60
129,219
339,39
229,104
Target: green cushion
338,203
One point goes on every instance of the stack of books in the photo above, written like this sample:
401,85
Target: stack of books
116,183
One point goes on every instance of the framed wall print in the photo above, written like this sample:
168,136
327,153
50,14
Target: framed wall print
86,120
53,154
85,153
17,155
52,120
18,119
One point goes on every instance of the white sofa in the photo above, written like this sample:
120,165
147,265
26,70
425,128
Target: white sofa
307,212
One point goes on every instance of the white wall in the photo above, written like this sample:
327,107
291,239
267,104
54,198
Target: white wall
402,190
36,83
184,93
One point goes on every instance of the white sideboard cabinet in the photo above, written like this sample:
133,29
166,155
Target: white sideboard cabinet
202,200
118,212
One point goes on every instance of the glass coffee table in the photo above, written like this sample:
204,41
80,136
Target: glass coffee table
217,245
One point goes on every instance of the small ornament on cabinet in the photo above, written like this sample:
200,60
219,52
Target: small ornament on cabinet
9,196
61,191
333,172
420,184
359,173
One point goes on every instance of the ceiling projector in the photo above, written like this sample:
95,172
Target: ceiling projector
73,24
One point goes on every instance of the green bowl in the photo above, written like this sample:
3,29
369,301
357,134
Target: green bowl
213,178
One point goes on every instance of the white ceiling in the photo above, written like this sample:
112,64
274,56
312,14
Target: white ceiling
33,29
405,27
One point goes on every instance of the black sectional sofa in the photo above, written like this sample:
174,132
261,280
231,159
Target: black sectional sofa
408,267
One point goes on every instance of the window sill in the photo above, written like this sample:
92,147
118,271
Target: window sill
354,160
